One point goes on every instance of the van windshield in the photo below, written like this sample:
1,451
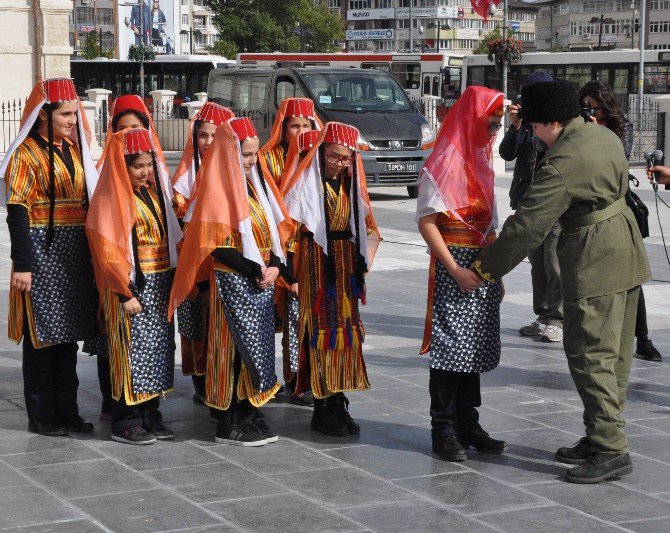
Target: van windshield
357,92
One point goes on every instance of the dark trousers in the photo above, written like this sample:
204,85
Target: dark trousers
454,398
105,384
50,380
240,412
546,279
199,384
641,329
125,416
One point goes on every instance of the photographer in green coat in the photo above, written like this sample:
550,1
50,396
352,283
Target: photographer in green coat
581,182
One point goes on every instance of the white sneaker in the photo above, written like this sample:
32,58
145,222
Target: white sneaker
534,329
552,334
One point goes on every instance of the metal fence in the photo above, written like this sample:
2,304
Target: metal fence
10,118
645,126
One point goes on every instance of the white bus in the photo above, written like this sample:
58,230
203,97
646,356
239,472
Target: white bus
419,74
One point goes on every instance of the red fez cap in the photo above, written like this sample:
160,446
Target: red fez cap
307,139
130,101
137,141
343,134
59,90
243,128
300,107
214,114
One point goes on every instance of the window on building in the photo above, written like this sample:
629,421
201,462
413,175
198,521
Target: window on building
184,19
334,4
659,5
85,15
384,4
199,21
661,26
360,4
385,45
104,16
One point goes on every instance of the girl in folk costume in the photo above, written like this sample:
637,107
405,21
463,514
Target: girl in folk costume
132,231
238,228
127,112
192,314
49,177
456,215
337,240
295,116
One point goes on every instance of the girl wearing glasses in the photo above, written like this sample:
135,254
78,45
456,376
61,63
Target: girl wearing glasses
337,239
456,216
294,117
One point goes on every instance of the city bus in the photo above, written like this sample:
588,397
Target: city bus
184,74
617,68
435,74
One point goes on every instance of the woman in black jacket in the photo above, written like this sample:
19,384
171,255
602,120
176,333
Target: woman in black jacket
608,112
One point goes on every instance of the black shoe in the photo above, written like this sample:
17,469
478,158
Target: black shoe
646,350
599,467
248,435
448,447
198,397
306,399
326,421
77,424
47,429
158,429
134,435
576,454
262,427
480,440
340,404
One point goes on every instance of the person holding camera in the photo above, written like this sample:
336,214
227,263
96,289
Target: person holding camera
519,143
599,104
582,182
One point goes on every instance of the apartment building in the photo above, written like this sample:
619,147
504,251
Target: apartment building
385,25
581,25
197,30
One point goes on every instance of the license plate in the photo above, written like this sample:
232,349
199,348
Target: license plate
401,167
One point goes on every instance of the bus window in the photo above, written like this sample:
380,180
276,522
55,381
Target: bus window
436,86
476,75
377,66
407,74
426,85
656,78
286,87
221,91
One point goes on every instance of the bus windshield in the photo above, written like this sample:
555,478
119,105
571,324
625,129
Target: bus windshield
357,92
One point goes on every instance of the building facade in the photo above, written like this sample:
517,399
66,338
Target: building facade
172,26
385,25
582,25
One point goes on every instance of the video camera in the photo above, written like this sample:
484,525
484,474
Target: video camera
586,111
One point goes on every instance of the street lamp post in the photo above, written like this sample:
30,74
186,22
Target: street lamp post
411,20
140,6
299,29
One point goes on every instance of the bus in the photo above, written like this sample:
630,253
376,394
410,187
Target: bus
616,68
435,74
184,74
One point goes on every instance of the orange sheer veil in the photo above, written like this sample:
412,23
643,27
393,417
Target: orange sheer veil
219,204
303,191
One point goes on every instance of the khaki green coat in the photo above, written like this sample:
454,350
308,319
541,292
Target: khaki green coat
584,171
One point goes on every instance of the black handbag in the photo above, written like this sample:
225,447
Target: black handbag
638,208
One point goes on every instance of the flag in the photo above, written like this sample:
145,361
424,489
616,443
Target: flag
481,7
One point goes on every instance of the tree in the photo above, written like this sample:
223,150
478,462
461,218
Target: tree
91,48
483,45
271,25
135,52
223,48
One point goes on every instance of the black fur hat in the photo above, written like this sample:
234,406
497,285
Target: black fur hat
549,101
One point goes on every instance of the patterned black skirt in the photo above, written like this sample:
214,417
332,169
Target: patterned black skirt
63,296
250,314
465,328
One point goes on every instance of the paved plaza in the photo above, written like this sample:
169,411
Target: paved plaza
384,480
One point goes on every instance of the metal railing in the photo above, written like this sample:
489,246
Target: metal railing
10,119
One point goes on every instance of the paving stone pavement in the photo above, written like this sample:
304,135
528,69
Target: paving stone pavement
384,480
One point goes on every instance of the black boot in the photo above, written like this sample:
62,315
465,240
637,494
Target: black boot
340,404
325,420
447,447
480,440
576,454
599,467
646,350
